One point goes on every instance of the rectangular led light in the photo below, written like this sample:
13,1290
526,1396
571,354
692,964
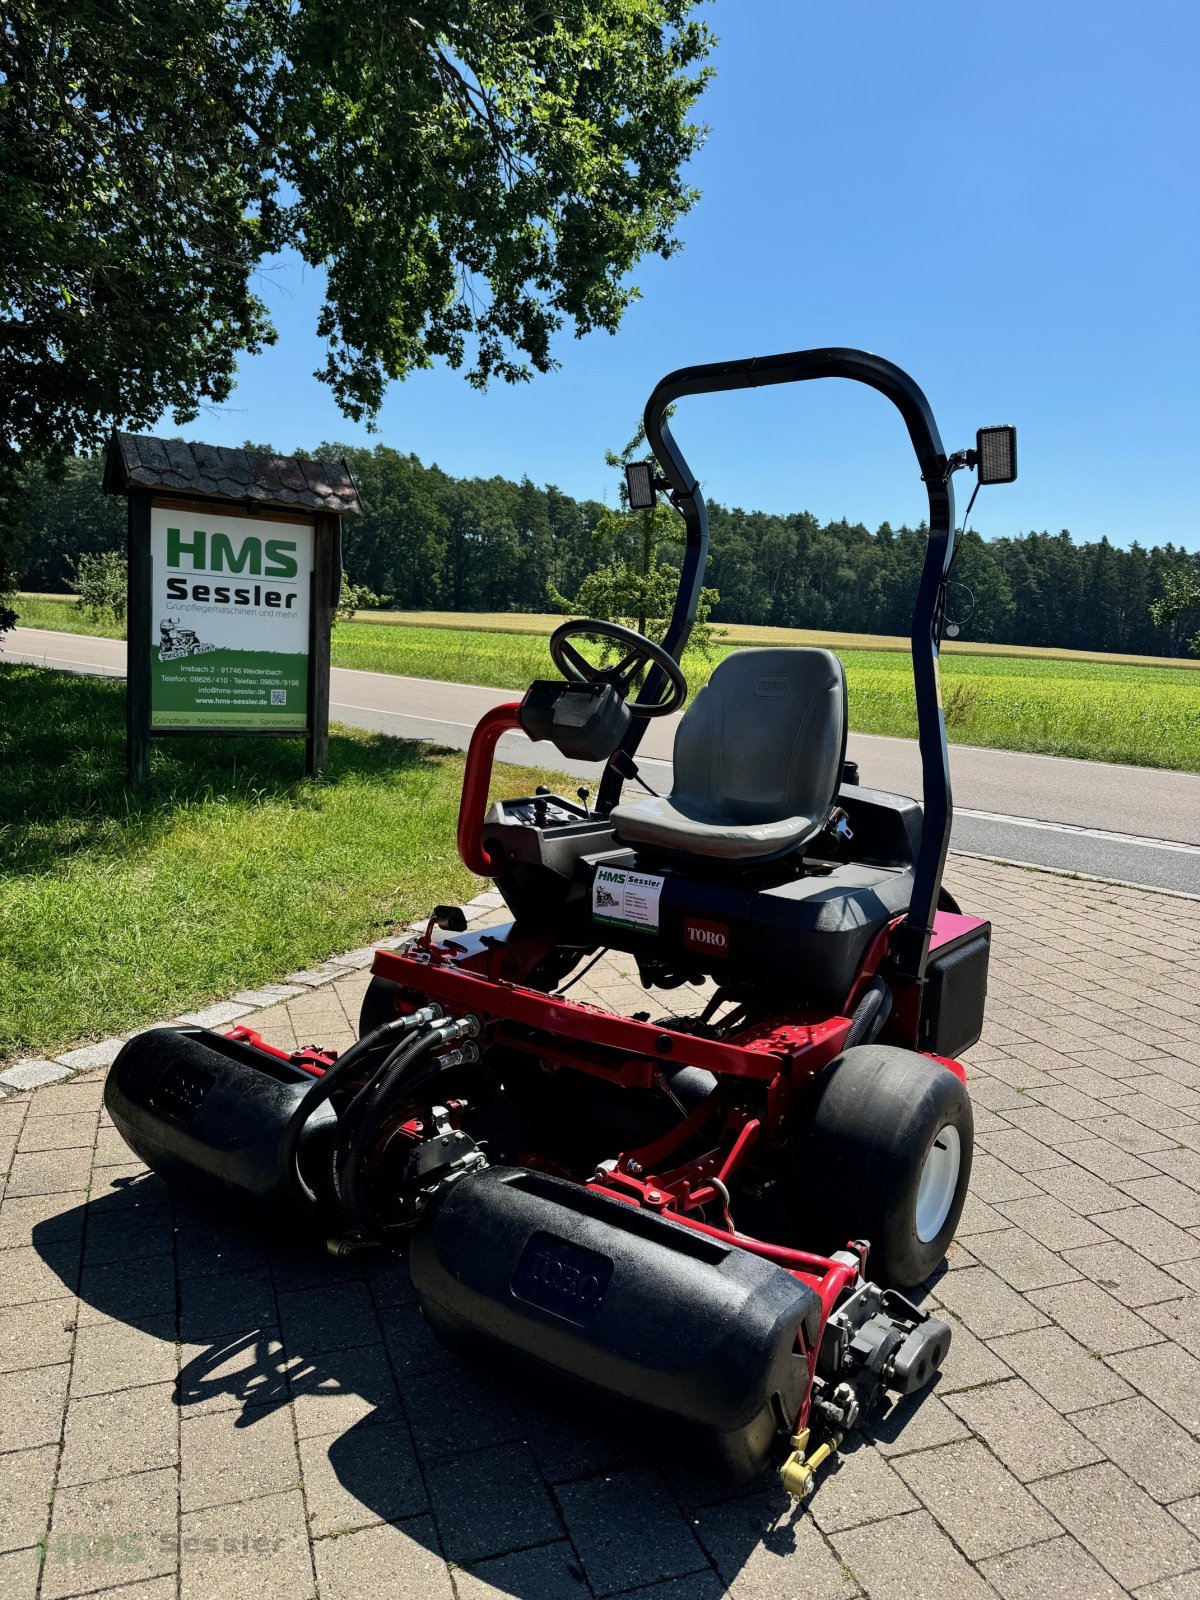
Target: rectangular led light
639,480
996,449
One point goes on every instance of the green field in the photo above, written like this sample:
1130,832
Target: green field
1070,704
121,908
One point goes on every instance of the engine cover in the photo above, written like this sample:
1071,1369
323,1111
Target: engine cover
701,1335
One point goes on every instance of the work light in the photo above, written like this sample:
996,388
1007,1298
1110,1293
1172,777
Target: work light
639,480
996,454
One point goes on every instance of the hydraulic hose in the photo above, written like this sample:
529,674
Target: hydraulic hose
410,1066
870,1014
320,1091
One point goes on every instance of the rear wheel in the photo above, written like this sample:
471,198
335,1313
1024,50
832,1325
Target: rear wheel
886,1156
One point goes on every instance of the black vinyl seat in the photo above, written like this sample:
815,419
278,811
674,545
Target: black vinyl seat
758,759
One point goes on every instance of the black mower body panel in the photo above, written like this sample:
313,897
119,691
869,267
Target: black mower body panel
570,1282
209,1112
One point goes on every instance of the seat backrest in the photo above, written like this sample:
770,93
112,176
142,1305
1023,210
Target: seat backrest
765,738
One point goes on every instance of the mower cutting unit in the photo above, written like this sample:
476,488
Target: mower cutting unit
705,1216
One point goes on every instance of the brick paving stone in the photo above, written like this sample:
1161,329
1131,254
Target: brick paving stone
553,1572
89,1056
1152,1236
1170,1198
1107,1162
74,1131
343,1388
978,1217
229,1304
628,1531
48,1218
1023,1429
341,1316
862,1487
1059,1569
112,1532
389,1559
1047,1126
489,1502
448,1418
226,1374
108,1435
1081,1191
49,1272
1131,1537
220,1464
1169,1376
31,1406
31,1074
1147,1445
369,1474
255,1551
968,1363
1129,1134
765,1547
411,1344
993,1182
1179,1320
908,1558
1188,1512
915,1423
567,1445
26,1482
36,1335
1091,1315
1060,1369
1184,1587
130,1290
982,1506
1051,1223
1020,1151
985,1303
128,1234
1020,1260
19,1571
1134,1280
49,1172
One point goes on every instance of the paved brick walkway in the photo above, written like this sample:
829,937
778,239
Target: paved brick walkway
208,1416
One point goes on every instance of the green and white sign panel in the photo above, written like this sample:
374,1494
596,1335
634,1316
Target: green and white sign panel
230,621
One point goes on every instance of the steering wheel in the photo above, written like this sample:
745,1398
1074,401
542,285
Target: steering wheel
640,653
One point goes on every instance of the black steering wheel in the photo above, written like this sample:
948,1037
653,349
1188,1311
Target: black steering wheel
640,653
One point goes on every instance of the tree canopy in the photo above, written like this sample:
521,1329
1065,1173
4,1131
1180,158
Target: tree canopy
471,175
430,541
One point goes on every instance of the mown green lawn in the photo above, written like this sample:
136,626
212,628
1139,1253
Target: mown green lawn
228,870
1097,710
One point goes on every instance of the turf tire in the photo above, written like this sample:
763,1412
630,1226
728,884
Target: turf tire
870,1130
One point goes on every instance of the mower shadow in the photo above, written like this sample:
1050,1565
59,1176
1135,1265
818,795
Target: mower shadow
392,1426
62,737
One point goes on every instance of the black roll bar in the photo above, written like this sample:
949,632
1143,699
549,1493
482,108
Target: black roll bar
911,947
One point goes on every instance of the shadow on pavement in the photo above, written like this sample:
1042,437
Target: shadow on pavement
390,1426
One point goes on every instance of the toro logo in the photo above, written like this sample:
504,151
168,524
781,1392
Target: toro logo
711,938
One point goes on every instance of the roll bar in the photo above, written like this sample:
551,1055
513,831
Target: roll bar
911,943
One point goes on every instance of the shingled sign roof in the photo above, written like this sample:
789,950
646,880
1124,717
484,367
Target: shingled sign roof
137,461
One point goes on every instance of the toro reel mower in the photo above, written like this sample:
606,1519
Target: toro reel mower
707,1218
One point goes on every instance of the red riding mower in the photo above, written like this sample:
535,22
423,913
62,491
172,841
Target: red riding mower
708,1218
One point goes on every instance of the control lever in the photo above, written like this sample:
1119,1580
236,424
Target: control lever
539,805
583,792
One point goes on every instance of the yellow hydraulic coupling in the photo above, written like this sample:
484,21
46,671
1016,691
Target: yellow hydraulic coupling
798,1471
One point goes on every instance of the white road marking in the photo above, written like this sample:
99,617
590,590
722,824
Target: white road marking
1083,833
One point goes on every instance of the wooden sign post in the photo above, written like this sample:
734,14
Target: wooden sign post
234,578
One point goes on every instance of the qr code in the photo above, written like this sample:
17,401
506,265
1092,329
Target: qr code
279,697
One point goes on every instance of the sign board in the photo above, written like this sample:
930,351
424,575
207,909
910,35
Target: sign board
230,620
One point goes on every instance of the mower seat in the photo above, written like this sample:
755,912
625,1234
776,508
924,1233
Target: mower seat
758,760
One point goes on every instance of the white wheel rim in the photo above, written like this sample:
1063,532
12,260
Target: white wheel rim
939,1180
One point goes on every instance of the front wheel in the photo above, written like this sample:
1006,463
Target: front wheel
886,1156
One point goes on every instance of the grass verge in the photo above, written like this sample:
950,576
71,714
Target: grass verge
118,909
1096,709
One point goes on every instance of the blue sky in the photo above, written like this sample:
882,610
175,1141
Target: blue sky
1002,198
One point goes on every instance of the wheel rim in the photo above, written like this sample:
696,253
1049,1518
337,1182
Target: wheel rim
939,1181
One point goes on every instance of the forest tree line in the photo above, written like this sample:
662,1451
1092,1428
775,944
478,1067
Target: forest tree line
430,541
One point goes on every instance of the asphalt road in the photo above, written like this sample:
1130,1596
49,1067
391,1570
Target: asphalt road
1130,824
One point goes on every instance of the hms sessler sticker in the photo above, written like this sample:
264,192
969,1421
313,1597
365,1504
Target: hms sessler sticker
626,899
